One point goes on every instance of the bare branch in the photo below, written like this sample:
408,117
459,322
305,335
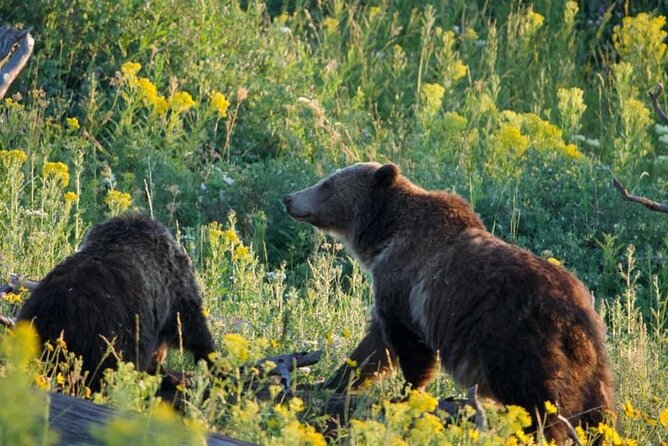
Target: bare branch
653,205
9,38
654,95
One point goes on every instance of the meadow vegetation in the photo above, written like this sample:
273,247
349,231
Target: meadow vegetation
204,113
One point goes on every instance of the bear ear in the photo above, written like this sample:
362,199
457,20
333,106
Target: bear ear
386,175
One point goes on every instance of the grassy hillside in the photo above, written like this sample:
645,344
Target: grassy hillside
204,113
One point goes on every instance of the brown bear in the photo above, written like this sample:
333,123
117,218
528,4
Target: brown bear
130,284
521,328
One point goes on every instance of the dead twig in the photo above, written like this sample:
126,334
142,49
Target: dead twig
653,205
654,95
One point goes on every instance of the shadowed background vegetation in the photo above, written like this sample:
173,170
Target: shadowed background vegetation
209,111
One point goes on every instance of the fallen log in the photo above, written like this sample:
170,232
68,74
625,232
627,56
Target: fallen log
72,418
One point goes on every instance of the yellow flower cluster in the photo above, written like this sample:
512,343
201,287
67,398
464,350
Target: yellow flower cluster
238,347
220,103
117,200
181,101
570,11
454,122
13,157
241,253
432,95
57,171
70,197
14,298
330,25
509,139
641,37
523,130
72,123
534,22
147,90
130,69
571,106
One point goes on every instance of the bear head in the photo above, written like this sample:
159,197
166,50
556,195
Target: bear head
337,203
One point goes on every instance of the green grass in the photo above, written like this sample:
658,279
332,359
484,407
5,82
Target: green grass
526,109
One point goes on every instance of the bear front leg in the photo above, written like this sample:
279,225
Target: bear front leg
373,357
416,359
195,333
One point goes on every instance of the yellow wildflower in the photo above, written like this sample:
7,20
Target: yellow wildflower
181,101
509,139
160,105
571,99
237,346
87,392
72,123
663,417
17,157
641,37
570,11
241,253
422,401
130,69
454,122
582,435
345,333
230,237
557,262
117,200
519,415
61,343
522,437
628,409
49,346
432,94
351,363
534,21
330,25
57,171
214,232
14,298
374,11
220,103
425,429
40,381
571,151
60,379
459,70
147,90
11,103
609,434
549,407
70,197
297,433
296,404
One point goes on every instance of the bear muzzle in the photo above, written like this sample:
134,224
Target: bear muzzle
297,214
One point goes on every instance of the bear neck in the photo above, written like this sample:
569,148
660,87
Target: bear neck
406,210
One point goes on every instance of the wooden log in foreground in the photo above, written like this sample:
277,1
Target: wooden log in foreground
73,419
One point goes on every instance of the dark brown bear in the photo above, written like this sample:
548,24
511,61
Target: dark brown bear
130,283
522,329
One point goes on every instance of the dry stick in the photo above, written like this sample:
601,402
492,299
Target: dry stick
653,205
654,95
9,37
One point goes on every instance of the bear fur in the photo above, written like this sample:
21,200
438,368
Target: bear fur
129,283
521,328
